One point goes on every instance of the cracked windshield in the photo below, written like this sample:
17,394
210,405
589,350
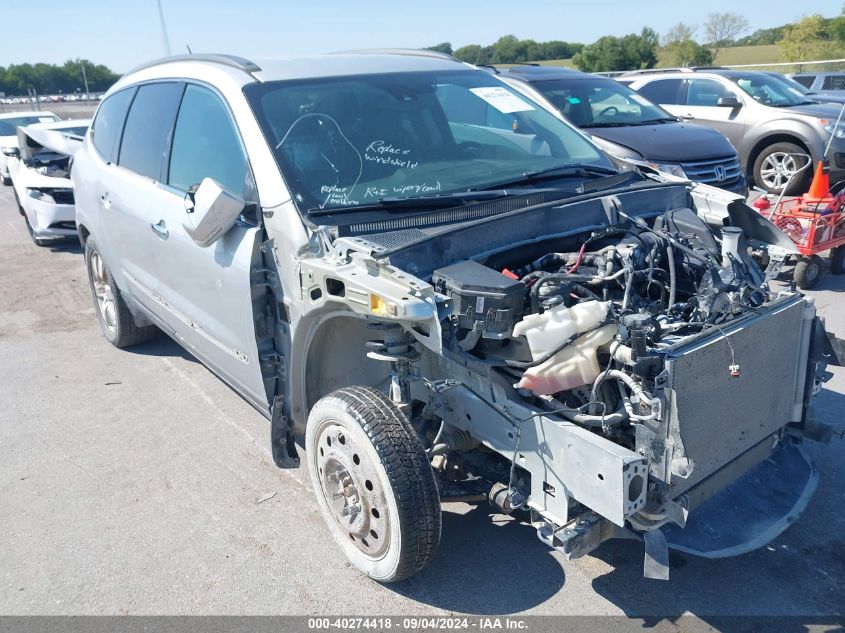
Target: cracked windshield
361,140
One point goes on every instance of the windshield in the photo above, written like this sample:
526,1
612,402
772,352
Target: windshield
348,141
594,102
9,127
797,88
74,131
769,91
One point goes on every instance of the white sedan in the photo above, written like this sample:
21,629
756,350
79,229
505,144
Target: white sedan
41,178
9,123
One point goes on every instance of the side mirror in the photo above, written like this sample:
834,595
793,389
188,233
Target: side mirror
210,211
14,152
728,102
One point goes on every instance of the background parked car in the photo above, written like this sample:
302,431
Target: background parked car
625,124
773,128
829,83
821,97
41,178
9,122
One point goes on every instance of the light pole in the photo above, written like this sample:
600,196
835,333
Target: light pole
84,77
163,29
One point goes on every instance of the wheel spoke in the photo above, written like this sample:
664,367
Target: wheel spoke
103,292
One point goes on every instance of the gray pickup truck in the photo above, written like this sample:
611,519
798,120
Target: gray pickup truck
450,292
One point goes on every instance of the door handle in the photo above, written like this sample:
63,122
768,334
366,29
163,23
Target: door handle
160,229
687,116
105,201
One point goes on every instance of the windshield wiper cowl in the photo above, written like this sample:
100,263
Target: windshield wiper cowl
557,171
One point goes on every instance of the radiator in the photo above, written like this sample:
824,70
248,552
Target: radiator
719,416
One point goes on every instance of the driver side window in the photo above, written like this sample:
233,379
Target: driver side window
206,145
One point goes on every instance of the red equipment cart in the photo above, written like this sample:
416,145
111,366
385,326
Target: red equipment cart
816,223
815,228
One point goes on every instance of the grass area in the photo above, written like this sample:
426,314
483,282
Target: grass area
763,54
567,63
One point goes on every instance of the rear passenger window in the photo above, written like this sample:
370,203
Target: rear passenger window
148,127
206,145
663,91
106,128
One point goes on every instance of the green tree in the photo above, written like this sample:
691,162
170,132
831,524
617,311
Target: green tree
18,79
680,49
836,28
509,49
443,47
761,36
679,33
610,53
722,29
686,53
471,53
807,40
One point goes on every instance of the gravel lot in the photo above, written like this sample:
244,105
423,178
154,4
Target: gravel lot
135,482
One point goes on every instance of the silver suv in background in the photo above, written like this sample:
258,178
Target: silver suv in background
773,128
447,289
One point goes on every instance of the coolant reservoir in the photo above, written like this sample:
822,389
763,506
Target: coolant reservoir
574,365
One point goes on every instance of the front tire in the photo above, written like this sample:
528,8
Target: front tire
113,314
774,165
373,482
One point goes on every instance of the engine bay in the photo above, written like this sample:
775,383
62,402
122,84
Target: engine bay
583,330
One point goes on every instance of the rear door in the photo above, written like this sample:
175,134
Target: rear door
128,184
668,93
207,292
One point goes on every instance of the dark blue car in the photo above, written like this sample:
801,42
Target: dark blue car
627,125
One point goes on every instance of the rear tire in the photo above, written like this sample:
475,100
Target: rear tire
772,166
373,482
837,260
808,271
113,314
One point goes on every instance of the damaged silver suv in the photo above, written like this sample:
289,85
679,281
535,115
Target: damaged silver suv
446,289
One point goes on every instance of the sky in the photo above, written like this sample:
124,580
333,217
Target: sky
124,33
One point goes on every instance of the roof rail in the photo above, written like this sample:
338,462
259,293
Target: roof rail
654,71
690,69
411,52
495,70
233,61
525,63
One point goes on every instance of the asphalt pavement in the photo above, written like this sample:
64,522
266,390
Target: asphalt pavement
135,482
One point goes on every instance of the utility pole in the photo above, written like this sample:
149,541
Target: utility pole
84,78
163,29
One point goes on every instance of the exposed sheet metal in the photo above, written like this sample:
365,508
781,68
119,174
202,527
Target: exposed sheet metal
62,137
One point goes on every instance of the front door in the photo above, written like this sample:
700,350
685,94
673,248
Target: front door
207,293
702,96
